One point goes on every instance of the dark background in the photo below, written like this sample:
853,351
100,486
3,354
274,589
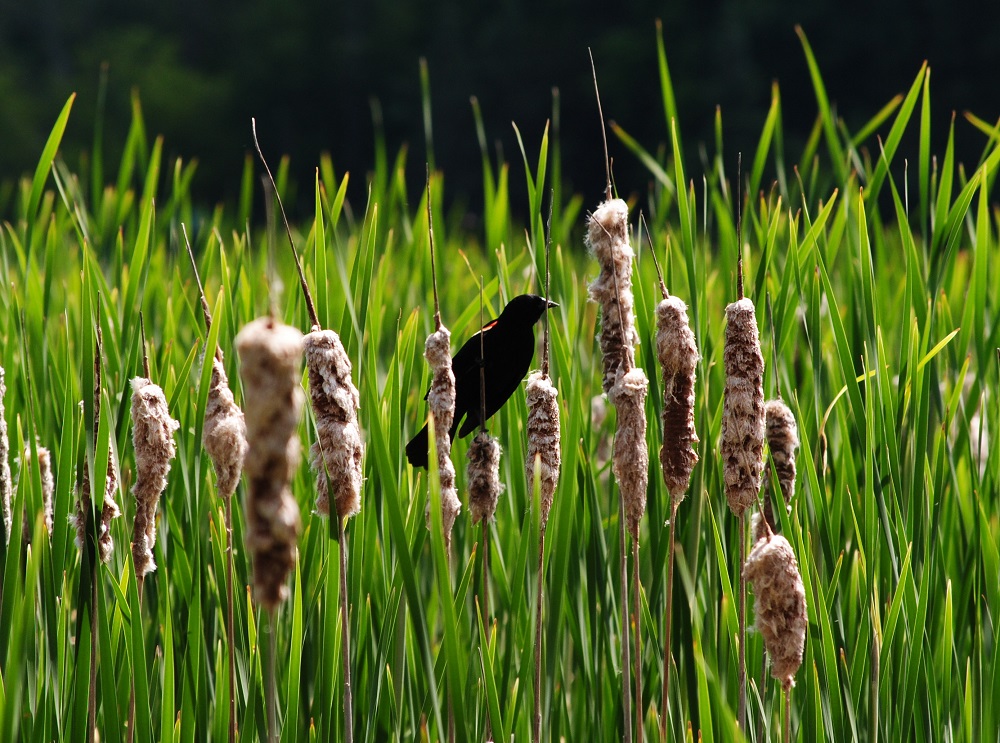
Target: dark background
309,70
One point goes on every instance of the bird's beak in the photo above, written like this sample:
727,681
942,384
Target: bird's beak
550,305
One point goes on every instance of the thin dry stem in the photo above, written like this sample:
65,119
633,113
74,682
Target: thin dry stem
310,306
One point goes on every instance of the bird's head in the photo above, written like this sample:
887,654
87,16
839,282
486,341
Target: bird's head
526,308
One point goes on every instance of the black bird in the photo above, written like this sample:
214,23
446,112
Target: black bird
508,346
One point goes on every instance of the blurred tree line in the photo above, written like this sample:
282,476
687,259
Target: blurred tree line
309,71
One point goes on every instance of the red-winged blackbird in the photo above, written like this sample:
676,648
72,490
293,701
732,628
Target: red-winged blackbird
508,346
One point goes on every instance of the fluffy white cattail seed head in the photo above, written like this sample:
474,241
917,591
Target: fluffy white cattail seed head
543,439
780,605
678,354
484,477
742,408
153,439
607,239
336,456
225,432
630,460
441,401
270,362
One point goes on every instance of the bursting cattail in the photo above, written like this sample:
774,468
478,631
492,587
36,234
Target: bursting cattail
782,440
153,438
47,480
441,401
630,460
742,408
678,355
6,485
607,238
780,605
270,362
543,438
225,432
484,477
336,455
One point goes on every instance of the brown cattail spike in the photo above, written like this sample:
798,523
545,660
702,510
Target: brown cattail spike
543,438
630,460
336,456
153,438
225,433
678,355
782,440
484,477
441,401
780,606
270,361
607,238
6,485
742,408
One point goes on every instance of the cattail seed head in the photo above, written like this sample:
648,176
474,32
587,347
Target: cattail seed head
678,355
543,438
336,456
742,408
607,238
225,432
782,440
6,485
110,511
153,438
47,480
780,605
441,401
630,460
484,477
270,361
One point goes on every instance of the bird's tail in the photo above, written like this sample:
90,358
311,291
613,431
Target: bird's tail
416,450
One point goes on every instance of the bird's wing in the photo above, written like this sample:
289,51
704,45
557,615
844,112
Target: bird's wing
467,358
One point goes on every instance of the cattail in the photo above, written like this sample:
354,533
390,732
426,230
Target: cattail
225,432
6,485
543,438
270,359
678,354
780,606
336,455
47,479
630,460
153,438
484,477
607,238
441,401
782,440
105,544
742,408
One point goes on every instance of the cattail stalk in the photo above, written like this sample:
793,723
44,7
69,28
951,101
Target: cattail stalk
270,360
677,352
224,437
743,417
626,385
336,459
6,485
543,463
